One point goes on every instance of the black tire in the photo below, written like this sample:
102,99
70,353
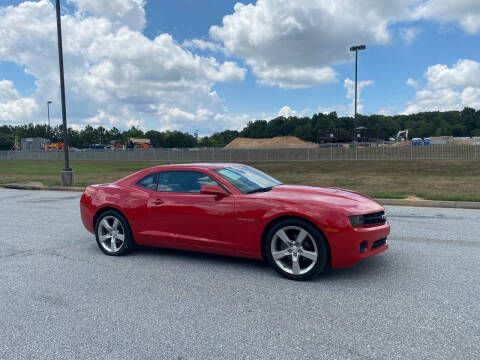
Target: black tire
314,240
128,243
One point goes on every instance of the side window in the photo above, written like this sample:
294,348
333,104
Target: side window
183,181
148,182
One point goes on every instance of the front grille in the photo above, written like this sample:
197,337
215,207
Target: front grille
377,218
379,243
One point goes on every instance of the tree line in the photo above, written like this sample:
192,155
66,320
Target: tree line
426,124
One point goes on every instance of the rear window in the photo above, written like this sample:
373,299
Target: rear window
149,182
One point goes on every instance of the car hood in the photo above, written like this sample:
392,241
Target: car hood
347,200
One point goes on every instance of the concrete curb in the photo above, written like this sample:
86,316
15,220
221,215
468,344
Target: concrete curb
431,203
52,188
394,202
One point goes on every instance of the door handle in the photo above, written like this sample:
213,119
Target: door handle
157,201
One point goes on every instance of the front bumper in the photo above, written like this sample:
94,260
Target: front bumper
349,247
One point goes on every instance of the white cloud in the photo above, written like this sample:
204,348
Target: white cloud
463,73
202,119
464,12
296,78
434,100
471,97
12,105
138,123
287,111
293,44
123,118
201,45
77,127
413,83
123,12
8,91
12,110
350,86
448,88
114,74
349,110
409,34
227,121
103,119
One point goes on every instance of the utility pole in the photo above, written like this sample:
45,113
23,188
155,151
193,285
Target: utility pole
48,113
66,175
356,48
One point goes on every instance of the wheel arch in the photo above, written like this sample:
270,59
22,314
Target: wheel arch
106,208
276,220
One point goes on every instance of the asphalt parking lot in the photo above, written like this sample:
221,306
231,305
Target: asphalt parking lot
61,298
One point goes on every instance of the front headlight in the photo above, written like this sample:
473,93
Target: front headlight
356,220
372,219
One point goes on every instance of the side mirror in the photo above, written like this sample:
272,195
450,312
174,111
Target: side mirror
213,190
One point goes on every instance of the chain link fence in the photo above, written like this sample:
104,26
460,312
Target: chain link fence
328,152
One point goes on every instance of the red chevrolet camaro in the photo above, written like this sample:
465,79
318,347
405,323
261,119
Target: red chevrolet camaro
236,210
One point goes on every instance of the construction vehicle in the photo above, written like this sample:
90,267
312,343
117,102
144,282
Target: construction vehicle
16,144
399,138
54,146
138,143
115,144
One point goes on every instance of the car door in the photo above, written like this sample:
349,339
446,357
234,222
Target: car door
181,217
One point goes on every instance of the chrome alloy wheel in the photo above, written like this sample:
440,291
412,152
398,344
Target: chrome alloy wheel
111,234
294,250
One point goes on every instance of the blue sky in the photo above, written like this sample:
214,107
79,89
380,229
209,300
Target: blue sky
389,66
212,65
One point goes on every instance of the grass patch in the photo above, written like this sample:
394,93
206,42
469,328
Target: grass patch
386,195
86,172
433,180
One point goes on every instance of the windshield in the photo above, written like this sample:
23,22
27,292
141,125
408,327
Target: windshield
247,179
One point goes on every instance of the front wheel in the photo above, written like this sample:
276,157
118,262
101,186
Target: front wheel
113,234
296,249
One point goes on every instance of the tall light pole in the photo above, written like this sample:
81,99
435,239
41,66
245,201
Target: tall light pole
356,48
66,175
48,112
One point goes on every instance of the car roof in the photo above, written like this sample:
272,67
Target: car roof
199,166
187,167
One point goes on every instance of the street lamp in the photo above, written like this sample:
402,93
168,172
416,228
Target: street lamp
48,112
66,175
356,48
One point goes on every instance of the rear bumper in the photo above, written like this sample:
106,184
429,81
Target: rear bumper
355,244
87,213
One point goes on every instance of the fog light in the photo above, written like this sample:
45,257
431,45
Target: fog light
363,247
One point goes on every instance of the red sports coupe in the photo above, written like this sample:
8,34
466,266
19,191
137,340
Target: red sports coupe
237,210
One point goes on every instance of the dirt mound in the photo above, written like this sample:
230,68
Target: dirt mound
276,142
465,142
401,143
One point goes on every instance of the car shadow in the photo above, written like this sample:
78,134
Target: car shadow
200,257
372,268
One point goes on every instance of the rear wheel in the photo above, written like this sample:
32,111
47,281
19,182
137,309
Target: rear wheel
296,249
113,234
